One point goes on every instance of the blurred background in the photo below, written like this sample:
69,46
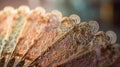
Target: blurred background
106,12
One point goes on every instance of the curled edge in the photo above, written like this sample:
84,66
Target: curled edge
41,10
75,18
9,9
112,36
94,26
57,13
24,8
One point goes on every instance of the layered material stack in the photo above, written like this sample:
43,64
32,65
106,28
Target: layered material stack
36,38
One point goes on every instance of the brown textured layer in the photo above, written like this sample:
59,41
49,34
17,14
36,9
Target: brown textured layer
64,49
50,33
31,29
5,20
46,36
91,59
47,41
116,63
50,36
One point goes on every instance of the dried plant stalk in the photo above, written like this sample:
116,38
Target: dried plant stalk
48,37
71,44
5,20
9,42
36,38
99,54
35,21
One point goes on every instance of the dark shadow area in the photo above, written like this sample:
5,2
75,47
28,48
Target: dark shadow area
11,62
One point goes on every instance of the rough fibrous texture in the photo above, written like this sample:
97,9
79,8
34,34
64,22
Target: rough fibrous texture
37,38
